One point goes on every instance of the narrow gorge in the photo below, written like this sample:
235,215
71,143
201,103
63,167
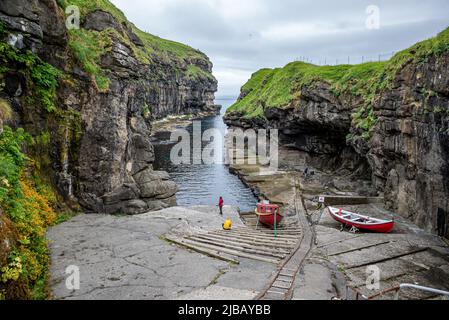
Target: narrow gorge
90,105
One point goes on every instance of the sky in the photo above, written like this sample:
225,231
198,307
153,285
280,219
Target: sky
243,36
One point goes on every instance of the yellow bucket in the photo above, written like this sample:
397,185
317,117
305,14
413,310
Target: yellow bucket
227,225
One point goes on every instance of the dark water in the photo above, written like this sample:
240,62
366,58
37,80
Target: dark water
204,184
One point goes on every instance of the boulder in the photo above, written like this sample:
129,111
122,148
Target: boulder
158,189
148,176
129,207
100,20
123,193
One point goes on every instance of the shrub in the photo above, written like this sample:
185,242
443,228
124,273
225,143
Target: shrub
30,213
5,110
2,29
41,76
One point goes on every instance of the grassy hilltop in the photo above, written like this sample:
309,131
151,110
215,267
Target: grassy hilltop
89,45
279,88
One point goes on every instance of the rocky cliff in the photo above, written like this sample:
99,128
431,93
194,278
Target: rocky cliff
88,97
409,148
385,121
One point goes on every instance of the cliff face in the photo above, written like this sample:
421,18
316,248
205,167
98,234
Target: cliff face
113,80
386,121
409,150
318,123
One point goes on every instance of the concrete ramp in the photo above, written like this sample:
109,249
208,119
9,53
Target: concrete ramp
243,242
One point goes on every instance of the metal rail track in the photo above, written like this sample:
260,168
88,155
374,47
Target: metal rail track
281,284
241,242
288,250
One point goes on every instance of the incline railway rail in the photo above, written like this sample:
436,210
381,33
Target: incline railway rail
281,285
252,241
242,242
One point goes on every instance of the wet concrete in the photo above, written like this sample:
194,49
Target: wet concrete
341,261
407,255
128,258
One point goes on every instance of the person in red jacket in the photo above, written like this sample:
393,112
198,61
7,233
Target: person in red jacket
220,205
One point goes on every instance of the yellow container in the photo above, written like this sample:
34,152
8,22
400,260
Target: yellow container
227,225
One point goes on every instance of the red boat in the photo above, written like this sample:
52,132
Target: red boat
361,222
267,213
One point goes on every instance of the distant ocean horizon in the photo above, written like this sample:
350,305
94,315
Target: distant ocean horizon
226,98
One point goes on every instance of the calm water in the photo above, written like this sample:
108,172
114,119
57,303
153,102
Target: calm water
204,184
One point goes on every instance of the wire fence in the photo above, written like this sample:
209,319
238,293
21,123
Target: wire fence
346,60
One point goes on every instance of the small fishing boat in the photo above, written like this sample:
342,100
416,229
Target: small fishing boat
269,214
360,222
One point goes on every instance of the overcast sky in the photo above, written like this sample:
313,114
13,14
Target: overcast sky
242,36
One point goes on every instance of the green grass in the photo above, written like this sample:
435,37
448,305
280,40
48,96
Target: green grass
88,46
421,52
66,216
195,73
251,104
42,78
29,211
2,29
87,6
167,49
151,41
5,110
281,88
141,54
257,79
359,79
277,88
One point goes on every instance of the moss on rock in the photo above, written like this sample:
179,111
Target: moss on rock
281,88
89,45
24,265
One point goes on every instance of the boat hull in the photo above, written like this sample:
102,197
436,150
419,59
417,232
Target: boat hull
378,226
269,219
